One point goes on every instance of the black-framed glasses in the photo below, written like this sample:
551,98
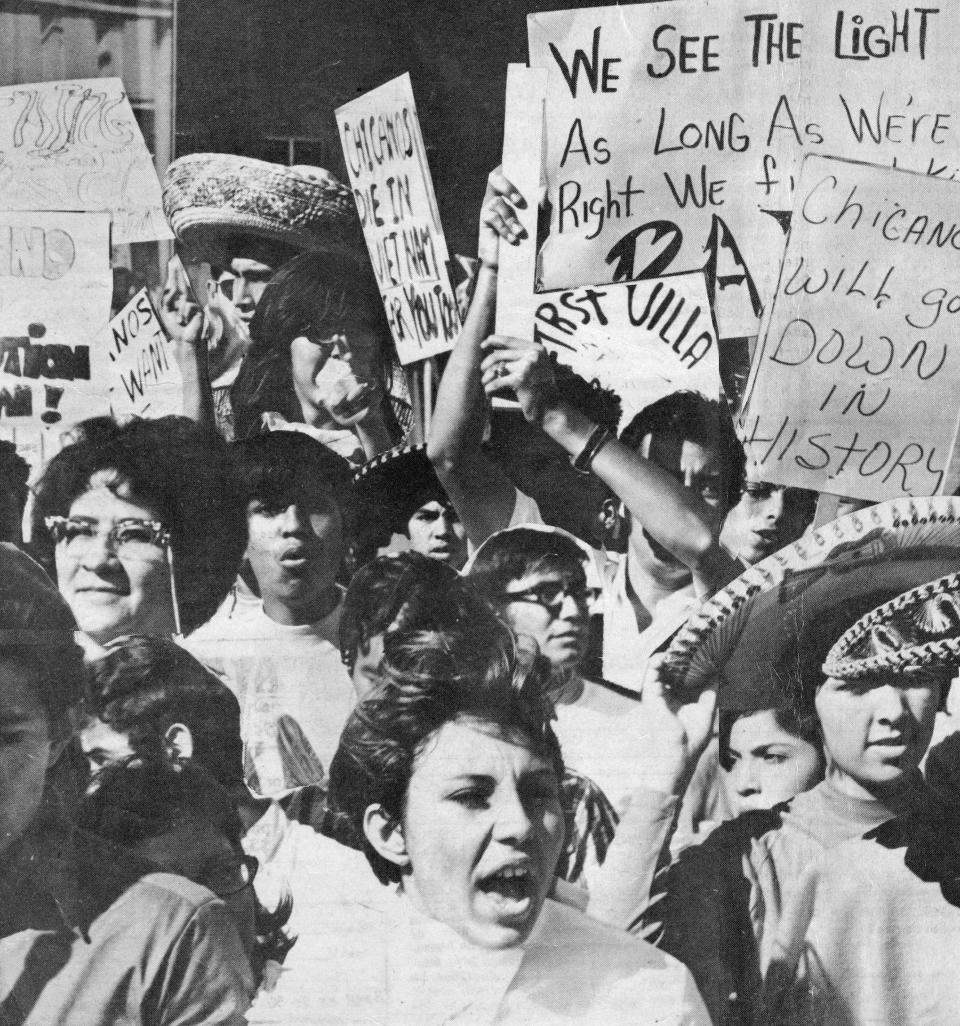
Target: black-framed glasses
227,877
551,595
131,537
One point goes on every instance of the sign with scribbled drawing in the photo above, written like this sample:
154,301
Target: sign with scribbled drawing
75,145
854,388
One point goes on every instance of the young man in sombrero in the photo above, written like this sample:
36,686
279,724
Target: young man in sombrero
401,495
736,908
246,218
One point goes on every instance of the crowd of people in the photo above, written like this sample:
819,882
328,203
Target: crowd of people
547,719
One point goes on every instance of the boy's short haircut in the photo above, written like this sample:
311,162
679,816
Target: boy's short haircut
144,685
695,418
275,466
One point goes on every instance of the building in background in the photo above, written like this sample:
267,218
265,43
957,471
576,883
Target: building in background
133,40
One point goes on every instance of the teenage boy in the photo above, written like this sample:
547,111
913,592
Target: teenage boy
280,654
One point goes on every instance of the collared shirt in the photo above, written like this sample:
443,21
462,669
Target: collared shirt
626,648
88,937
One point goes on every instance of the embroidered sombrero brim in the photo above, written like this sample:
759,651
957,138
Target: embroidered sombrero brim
768,633
918,629
397,482
211,198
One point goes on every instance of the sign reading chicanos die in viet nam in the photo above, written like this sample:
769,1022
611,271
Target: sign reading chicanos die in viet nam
855,380
393,190
55,287
145,378
675,130
76,145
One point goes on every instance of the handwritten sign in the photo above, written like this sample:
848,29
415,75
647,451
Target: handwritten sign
55,287
75,145
856,379
675,131
145,379
388,169
641,339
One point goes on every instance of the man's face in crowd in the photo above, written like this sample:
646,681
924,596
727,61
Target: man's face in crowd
877,729
243,284
435,530
552,608
295,547
766,518
26,750
696,467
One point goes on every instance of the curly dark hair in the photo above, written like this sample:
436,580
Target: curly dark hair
177,468
430,679
396,591
144,685
316,295
696,418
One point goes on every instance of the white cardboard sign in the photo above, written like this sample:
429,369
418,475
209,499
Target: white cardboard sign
75,145
675,130
387,164
855,387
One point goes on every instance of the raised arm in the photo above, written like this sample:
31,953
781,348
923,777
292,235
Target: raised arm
481,493
182,320
675,516
668,733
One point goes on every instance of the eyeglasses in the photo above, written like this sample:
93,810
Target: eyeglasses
551,596
229,876
131,538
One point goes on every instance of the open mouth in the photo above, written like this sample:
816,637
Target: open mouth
512,890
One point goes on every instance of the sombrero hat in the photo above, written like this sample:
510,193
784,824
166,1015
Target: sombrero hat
920,628
766,636
395,484
210,198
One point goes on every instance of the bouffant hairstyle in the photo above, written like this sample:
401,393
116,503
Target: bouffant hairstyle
429,679
694,418
517,552
177,469
315,295
144,685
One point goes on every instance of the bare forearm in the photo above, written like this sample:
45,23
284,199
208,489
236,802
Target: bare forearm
460,411
671,513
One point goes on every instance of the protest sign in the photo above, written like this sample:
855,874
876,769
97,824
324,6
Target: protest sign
75,145
641,339
55,287
522,165
855,388
675,130
145,379
387,164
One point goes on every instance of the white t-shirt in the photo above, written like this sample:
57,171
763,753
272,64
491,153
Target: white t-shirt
295,693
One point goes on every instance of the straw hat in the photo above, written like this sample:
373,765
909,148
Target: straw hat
920,628
210,198
766,636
